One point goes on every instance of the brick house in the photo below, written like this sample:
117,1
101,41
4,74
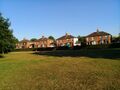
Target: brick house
66,40
40,43
23,44
98,37
44,42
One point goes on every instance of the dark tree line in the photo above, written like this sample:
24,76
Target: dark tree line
116,39
7,40
50,37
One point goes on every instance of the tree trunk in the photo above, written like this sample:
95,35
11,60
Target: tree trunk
2,51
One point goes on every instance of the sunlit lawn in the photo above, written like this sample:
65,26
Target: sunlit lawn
27,71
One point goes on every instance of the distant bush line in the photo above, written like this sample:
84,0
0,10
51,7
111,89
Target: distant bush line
103,46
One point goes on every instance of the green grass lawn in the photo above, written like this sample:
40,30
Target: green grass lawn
27,71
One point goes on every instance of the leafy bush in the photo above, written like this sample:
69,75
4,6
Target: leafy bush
26,49
102,46
114,45
46,49
77,47
63,48
36,49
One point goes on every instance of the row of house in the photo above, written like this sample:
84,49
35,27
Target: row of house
98,37
42,42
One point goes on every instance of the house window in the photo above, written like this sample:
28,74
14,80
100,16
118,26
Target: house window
106,37
92,38
67,40
95,38
87,39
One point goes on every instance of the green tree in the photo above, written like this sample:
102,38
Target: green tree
81,39
51,37
33,39
7,40
116,39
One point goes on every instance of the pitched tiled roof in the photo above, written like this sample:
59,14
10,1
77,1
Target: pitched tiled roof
98,33
66,37
43,39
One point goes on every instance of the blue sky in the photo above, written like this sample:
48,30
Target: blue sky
35,18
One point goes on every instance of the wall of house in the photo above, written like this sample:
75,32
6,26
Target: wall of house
63,42
35,44
98,40
23,45
75,40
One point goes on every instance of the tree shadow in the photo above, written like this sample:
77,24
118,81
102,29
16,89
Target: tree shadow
1,56
92,53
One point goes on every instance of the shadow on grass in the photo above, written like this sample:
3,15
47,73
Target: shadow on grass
1,56
93,53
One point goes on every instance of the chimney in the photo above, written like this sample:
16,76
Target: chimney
97,30
24,38
42,36
67,34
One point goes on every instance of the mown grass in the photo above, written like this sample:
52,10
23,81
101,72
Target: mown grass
27,71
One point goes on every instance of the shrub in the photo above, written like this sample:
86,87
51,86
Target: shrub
26,49
77,47
102,46
114,45
46,49
63,48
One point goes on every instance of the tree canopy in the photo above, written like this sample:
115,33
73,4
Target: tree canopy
51,37
7,40
33,39
81,39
